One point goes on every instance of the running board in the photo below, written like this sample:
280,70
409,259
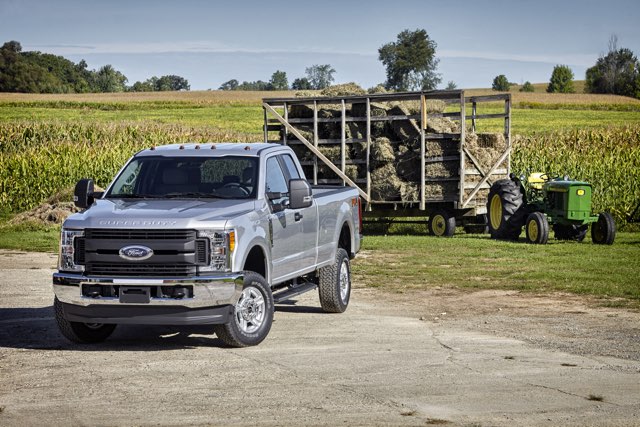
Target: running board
293,291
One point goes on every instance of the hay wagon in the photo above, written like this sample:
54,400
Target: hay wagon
411,156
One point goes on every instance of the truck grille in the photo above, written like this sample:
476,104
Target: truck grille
176,253
145,270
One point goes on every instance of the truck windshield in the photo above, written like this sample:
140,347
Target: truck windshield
229,177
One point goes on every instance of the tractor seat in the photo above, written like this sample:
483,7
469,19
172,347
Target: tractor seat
536,180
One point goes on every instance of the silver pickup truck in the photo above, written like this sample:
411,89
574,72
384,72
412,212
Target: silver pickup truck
203,234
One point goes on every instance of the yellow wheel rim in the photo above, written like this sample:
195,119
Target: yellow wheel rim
438,225
495,211
532,229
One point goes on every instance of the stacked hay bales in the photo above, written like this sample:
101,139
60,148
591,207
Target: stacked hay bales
395,160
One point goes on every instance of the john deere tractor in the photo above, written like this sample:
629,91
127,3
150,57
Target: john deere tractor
543,201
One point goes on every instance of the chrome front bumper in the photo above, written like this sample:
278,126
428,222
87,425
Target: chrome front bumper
208,291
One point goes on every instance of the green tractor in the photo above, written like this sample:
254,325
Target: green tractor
560,202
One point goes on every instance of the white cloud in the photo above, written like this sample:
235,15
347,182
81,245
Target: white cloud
585,60
176,47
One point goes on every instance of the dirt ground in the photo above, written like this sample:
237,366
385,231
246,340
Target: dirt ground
438,357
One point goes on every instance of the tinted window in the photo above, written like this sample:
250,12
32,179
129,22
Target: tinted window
291,166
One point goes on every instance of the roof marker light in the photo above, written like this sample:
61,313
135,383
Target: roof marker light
181,147
197,147
247,148
152,148
213,147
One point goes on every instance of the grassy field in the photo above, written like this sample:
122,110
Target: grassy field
47,142
401,263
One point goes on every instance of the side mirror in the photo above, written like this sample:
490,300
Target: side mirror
83,195
299,194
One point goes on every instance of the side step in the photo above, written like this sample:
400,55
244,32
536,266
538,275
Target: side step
292,291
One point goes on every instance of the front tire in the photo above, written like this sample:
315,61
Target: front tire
252,315
335,284
603,232
442,224
81,333
506,209
537,228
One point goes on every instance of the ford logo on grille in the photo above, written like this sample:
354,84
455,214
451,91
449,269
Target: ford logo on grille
135,253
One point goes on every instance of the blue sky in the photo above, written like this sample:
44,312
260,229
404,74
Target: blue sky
210,42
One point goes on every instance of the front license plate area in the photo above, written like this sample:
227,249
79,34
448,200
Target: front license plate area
135,295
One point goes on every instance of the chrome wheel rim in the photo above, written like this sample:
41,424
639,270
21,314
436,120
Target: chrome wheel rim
344,281
250,310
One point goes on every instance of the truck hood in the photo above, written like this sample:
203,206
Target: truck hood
147,214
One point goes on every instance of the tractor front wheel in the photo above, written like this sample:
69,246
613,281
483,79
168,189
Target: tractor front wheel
603,232
537,228
506,209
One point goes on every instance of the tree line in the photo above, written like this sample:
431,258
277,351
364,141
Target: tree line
36,72
617,72
316,77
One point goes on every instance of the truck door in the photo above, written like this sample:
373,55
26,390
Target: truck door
308,217
285,228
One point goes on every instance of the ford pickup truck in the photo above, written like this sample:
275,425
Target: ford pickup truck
203,234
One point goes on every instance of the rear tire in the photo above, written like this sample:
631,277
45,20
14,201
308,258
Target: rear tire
442,224
570,232
252,315
81,333
603,232
537,228
506,210
335,284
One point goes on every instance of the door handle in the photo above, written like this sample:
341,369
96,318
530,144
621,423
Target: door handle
297,216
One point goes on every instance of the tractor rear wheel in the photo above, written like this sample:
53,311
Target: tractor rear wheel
506,208
570,232
537,228
603,232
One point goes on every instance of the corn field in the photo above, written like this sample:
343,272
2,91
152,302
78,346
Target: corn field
608,158
38,159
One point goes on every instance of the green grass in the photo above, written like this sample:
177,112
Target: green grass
29,239
409,262
527,118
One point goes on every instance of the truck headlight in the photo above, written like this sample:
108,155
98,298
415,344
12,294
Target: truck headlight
221,246
66,260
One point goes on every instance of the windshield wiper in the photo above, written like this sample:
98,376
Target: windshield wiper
193,194
133,196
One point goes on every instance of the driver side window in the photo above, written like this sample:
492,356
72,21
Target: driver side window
276,181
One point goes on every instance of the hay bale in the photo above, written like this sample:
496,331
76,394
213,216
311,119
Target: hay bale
325,172
306,94
378,109
382,151
385,183
300,111
403,129
345,89
407,164
441,169
486,147
377,89
438,190
441,147
442,125
433,106
46,214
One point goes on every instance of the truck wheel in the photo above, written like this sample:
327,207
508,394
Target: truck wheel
506,208
603,232
537,228
252,315
570,232
335,284
82,333
442,224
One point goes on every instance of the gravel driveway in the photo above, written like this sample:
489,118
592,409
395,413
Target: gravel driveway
439,357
